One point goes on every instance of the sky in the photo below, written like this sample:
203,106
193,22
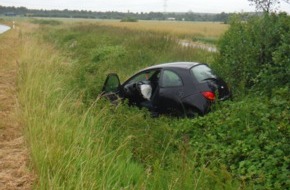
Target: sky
198,6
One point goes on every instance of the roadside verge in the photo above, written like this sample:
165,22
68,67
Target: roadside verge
14,156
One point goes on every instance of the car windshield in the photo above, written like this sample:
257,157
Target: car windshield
202,73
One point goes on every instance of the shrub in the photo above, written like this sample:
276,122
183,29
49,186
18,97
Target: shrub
129,19
252,53
250,137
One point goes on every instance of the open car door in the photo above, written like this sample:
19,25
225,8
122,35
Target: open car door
111,88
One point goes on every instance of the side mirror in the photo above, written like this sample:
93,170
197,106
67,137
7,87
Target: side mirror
112,83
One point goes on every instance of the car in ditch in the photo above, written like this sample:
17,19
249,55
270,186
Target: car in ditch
178,88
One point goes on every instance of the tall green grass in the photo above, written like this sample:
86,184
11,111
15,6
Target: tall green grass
77,144
71,146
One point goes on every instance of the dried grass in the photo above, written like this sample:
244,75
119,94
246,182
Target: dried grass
14,158
188,29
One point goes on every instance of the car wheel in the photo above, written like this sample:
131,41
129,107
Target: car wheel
192,112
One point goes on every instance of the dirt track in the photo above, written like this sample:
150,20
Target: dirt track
14,157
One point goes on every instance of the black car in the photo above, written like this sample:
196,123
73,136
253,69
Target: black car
182,88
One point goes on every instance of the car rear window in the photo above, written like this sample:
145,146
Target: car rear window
202,73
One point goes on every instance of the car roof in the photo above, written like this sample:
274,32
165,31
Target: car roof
185,65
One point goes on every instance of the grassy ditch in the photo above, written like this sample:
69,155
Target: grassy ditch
92,146
81,142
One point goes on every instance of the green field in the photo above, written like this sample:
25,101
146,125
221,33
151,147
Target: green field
79,141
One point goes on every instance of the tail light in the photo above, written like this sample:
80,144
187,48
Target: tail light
209,95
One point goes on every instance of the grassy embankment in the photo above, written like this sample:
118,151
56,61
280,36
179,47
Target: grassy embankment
81,142
76,145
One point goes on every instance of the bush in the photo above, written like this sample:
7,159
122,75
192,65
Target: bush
253,53
251,137
129,19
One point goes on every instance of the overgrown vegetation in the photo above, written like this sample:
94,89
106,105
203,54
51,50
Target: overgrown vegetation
254,61
253,54
88,143
81,144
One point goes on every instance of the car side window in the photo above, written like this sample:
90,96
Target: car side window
137,78
170,79
144,76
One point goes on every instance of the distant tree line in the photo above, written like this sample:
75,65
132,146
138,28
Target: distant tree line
188,16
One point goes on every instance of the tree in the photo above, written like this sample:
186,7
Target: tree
267,5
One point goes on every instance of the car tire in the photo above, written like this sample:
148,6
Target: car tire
192,112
